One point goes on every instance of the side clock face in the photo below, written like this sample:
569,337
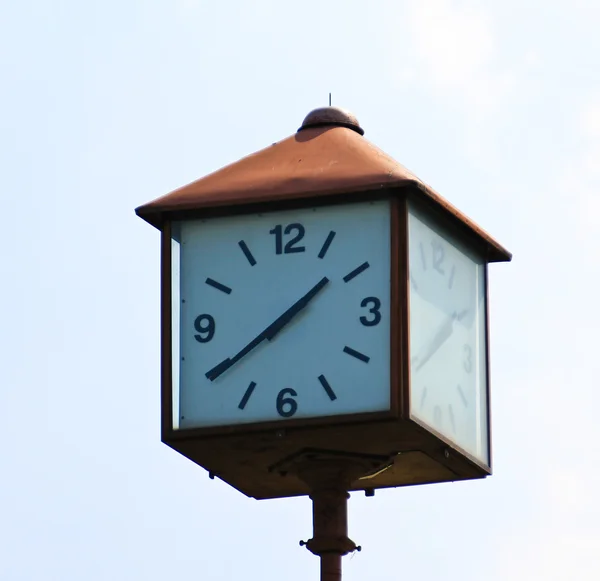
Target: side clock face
281,315
447,336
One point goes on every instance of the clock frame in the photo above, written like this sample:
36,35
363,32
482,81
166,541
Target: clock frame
258,458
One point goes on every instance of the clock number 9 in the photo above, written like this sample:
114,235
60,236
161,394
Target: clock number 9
205,325
290,247
286,406
374,310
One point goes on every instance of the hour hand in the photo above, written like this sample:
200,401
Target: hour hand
227,363
270,332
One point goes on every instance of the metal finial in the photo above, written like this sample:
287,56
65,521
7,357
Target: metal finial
331,116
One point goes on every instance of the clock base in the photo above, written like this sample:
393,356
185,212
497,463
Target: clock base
262,465
329,474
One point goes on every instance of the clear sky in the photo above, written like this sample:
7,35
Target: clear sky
106,105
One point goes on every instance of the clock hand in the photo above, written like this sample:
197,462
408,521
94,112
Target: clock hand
442,335
270,332
273,329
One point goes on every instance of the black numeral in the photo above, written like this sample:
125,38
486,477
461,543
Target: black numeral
375,304
286,404
291,245
437,255
205,325
467,361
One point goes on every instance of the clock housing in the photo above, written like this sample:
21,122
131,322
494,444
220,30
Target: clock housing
328,169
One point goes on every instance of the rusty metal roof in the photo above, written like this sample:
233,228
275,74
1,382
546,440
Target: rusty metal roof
321,159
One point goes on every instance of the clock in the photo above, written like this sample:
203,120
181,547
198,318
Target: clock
323,311
281,315
448,375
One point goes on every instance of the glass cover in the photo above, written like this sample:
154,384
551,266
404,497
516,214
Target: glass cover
175,318
282,315
448,378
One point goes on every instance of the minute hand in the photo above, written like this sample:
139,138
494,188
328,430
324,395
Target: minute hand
279,323
270,332
442,335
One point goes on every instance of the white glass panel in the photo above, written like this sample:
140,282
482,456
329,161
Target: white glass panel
447,335
332,358
175,320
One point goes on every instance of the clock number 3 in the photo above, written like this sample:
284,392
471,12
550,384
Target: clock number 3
286,404
205,325
291,245
467,362
375,305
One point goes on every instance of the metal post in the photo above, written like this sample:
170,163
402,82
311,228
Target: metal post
328,475
331,567
330,531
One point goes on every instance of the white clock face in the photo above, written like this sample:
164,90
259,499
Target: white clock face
447,336
281,315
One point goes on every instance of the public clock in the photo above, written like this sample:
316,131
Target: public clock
448,376
281,315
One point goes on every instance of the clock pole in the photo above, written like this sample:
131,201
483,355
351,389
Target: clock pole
330,539
329,479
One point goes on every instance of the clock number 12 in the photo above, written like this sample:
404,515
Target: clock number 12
291,245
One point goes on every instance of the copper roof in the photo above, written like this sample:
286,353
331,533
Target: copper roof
323,160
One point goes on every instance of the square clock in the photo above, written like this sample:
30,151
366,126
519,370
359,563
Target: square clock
281,315
320,303
288,315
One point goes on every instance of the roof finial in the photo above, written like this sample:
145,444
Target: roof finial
331,117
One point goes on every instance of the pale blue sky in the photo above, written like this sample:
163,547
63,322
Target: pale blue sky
106,105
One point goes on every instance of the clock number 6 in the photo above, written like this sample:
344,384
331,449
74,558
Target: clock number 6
290,247
286,406
374,310
205,325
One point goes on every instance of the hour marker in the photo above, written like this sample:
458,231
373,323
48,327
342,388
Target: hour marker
357,354
356,271
247,395
462,396
451,414
327,388
247,252
451,279
218,286
423,396
326,244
